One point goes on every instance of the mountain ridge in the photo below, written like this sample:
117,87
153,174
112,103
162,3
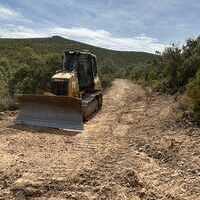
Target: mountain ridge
57,44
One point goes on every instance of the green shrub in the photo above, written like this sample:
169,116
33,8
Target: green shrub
193,92
27,65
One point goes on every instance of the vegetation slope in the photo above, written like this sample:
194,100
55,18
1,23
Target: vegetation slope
26,65
177,71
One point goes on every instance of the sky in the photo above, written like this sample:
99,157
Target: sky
125,25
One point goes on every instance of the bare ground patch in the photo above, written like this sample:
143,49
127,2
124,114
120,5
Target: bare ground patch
131,150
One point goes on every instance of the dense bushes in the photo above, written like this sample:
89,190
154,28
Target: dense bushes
26,66
27,72
193,92
177,70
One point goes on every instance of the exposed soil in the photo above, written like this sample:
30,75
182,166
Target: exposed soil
132,150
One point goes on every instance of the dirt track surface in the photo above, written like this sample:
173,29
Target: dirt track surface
131,150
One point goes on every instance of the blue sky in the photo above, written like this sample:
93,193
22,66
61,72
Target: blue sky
138,25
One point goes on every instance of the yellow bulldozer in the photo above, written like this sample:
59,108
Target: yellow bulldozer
76,94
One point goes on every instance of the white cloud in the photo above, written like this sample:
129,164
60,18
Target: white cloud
13,31
6,13
99,38
105,39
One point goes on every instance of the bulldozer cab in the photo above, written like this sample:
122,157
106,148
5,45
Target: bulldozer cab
84,63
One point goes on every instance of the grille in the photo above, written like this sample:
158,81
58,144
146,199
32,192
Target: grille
60,88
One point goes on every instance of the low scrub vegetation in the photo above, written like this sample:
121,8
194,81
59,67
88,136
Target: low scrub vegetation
26,66
177,71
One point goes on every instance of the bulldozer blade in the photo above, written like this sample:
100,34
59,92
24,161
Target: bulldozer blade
50,111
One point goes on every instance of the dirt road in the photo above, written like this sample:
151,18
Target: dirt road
131,150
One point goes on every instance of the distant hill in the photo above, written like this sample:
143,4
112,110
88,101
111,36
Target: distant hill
57,44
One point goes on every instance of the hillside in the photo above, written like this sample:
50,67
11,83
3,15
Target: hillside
27,65
56,44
